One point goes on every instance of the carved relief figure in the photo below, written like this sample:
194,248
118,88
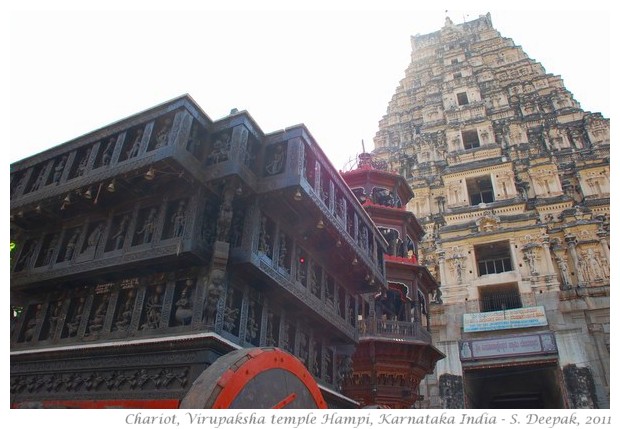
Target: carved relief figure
39,180
488,222
350,315
283,251
135,147
96,323
276,164
530,258
313,283
504,179
153,309
183,313
593,268
457,267
340,208
384,197
148,227
230,314
329,295
324,190
557,139
95,237
263,239
251,332
119,236
394,242
345,371
106,157
214,291
484,136
54,317
363,238
58,169
162,135
221,149
81,168
74,324
178,220
315,361
31,325
284,340
337,301
300,267
225,216
124,318
563,266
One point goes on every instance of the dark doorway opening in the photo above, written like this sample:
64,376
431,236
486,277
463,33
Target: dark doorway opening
517,387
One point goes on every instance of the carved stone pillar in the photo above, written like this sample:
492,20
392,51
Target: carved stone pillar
513,255
441,258
547,254
602,235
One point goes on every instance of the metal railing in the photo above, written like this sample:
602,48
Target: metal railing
500,301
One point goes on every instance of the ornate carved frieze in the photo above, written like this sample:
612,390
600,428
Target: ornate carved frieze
116,380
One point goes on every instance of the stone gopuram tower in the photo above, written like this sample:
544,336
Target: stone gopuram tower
511,183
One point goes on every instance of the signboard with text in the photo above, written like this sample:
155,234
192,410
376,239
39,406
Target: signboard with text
509,346
506,319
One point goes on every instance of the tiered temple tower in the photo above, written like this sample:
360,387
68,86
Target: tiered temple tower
395,351
511,183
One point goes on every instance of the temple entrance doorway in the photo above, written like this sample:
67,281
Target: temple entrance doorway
534,386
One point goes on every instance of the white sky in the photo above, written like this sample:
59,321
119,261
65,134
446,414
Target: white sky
333,68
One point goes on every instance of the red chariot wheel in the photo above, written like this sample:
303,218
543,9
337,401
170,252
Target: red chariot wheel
259,378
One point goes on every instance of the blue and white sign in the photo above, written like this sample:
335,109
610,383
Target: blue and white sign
506,319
